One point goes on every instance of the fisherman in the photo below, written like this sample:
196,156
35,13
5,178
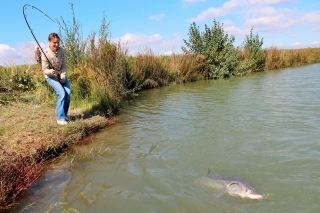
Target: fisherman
37,55
54,68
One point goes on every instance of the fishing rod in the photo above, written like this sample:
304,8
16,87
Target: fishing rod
25,18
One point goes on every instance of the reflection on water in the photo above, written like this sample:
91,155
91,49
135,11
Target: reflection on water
263,128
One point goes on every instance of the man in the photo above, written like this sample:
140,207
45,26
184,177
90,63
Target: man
38,55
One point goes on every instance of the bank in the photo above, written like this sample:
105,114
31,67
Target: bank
30,137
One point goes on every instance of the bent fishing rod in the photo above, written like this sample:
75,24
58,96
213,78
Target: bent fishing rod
25,18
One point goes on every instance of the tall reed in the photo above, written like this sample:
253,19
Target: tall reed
184,68
100,76
147,71
277,58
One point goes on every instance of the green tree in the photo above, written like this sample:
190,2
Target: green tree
217,47
257,56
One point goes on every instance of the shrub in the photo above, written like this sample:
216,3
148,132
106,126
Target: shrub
217,48
252,45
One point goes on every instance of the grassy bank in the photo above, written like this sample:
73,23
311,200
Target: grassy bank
30,137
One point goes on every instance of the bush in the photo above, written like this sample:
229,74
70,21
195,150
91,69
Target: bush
256,55
217,48
16,80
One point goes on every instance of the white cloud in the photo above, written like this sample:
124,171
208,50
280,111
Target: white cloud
263,16
8,54
168,53
213,12
312,18
296,44
192,1
272,20
315,42
138,42
235,31
250,9
157,17
22,54
268,2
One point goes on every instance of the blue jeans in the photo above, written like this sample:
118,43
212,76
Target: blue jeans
63,92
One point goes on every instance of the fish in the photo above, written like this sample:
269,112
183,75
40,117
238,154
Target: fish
233,185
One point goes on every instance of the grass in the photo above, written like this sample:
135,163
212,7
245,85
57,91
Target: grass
277,58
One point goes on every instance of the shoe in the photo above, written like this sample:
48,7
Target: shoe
67,118
62,122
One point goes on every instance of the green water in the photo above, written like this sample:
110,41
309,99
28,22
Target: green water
263,128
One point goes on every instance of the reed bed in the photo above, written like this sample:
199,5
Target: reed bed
277,58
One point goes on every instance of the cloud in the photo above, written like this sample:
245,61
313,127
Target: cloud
8,54
139,39
246,8
312,18
157,17
213,12
187,2
263,16
296,44
233,30
168,53
268,2
315,42
23,53
272,20
138,42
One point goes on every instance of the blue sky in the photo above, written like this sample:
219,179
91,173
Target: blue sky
160,25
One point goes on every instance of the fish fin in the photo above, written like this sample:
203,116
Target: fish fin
219,192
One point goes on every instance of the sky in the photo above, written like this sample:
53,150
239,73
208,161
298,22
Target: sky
160,25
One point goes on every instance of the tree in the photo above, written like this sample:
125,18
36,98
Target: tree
216,46
253,45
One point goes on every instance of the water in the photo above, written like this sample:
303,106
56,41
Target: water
263,128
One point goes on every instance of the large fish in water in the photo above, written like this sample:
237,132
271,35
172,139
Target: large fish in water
232,185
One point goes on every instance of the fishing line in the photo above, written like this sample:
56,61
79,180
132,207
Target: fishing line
25,18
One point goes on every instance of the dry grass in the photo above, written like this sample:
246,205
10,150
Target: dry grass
30,136
277,58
